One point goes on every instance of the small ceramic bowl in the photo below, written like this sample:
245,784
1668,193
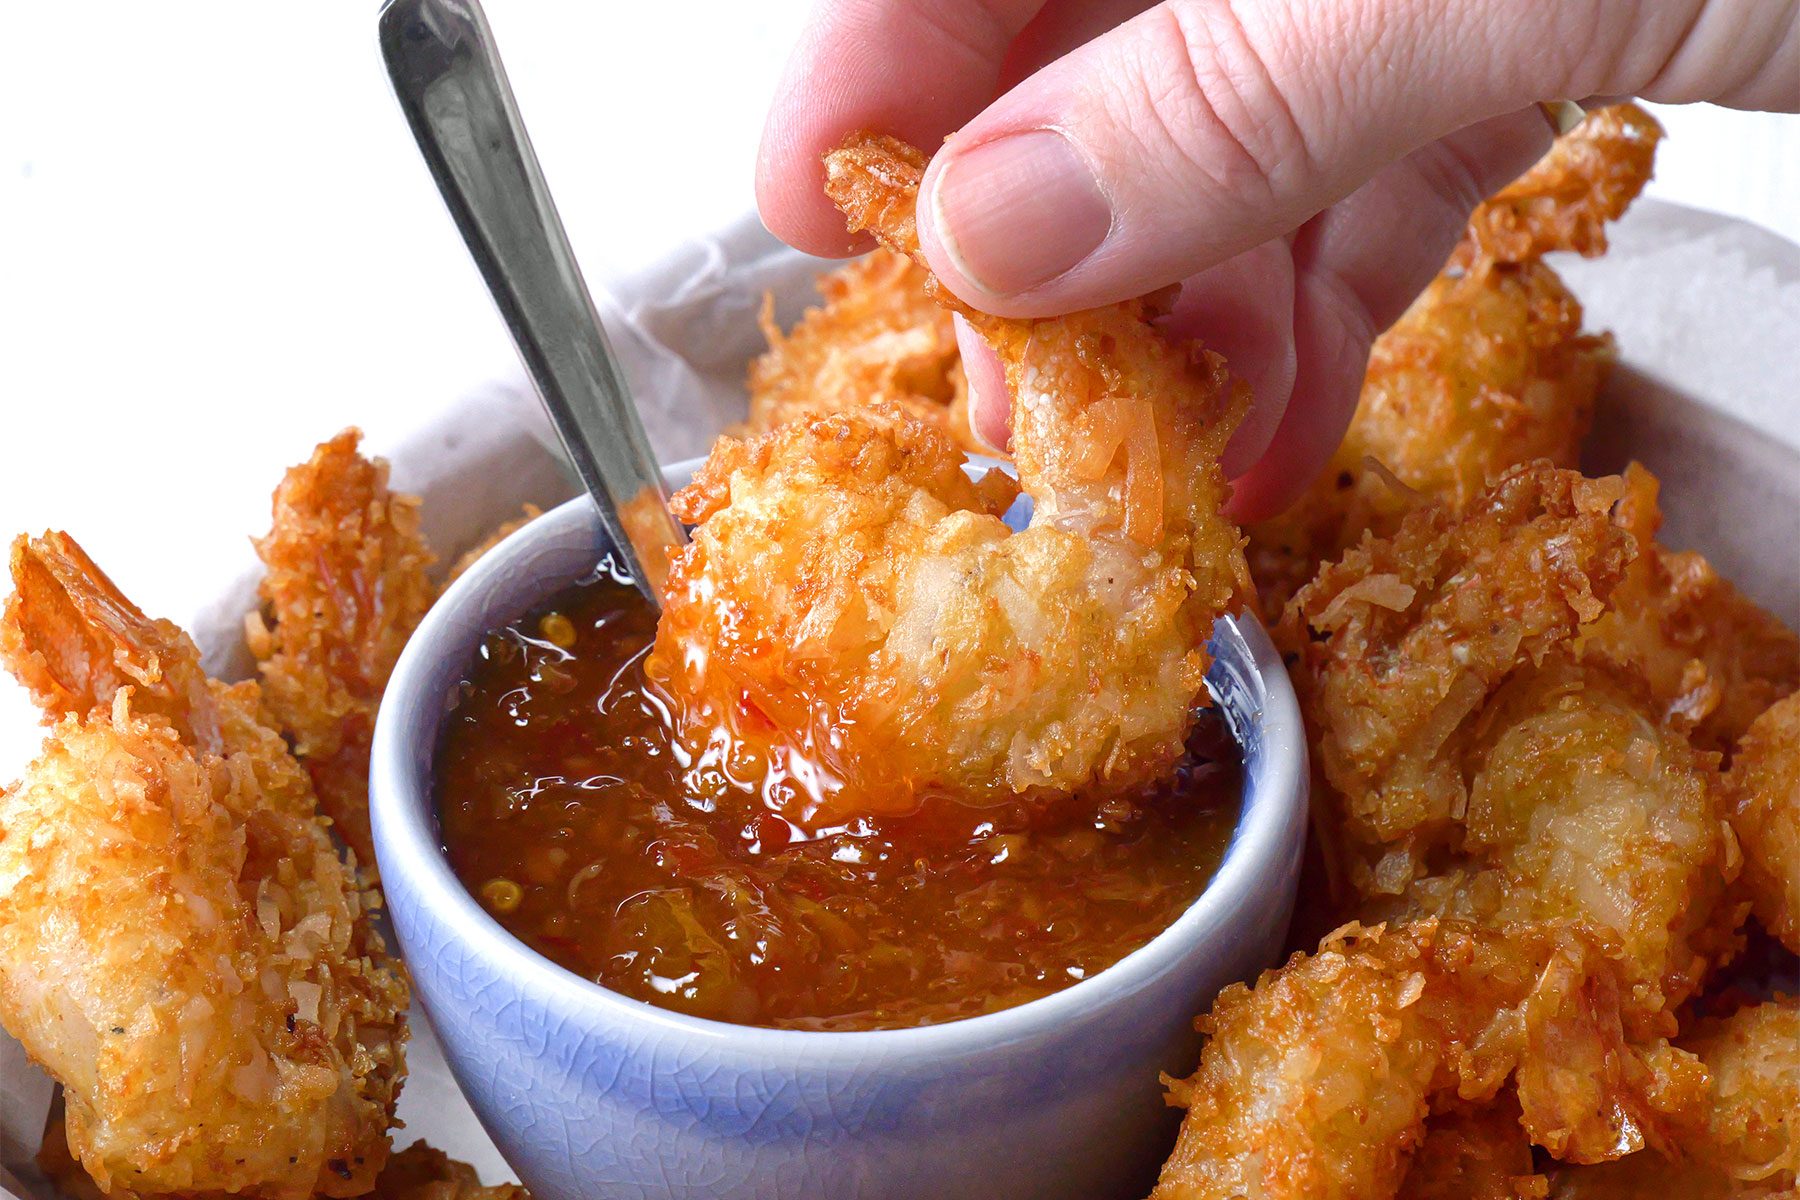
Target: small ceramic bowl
594,1096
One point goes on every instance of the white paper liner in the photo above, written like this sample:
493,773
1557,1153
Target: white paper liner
1707,314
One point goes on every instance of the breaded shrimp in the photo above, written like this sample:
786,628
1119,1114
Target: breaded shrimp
1402,642
1480,1153
1316,1084
75,641
1763,790
1753,1060
1712,658
849,589
1488,369
1583,808
1587,180
1748,1144
180,945
345,587
1475,767
877,339
1484,372
419,1172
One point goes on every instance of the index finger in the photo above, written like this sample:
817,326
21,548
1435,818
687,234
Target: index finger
918,69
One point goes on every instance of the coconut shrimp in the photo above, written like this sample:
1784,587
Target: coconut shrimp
1405,638
1748,1143
180,945
849,588
877,339
1488,369
1582,807
419,1172
75,641
1317,1082
1764,795
1711,657
1476,767
346,585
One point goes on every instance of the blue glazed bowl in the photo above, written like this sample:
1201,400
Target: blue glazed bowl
592,1095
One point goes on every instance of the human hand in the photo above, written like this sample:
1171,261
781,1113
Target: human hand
1302,168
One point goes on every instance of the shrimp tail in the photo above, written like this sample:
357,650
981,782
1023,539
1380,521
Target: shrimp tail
74,640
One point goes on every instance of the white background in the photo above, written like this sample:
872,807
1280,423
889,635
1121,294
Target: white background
218,245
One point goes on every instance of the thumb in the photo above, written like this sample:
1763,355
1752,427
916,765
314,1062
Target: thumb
1202,128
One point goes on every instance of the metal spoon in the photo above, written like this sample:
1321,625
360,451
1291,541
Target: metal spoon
447,75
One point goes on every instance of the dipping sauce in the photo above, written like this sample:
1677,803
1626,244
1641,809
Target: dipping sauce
575,816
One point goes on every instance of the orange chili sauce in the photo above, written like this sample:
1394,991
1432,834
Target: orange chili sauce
571,811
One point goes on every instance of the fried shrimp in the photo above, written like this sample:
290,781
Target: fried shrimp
180,945
1748,1142
1588,179
1763,788
1752,1058
849,589
74,640
1712,659
345,586
1488,369
1475,767
1318,1081
419,1172
1582,808
1401,642
877,339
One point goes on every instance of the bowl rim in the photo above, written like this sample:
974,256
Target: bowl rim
1266,837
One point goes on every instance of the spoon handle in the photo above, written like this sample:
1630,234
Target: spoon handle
452,87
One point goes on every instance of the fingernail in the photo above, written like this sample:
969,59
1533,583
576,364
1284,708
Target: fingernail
1015,213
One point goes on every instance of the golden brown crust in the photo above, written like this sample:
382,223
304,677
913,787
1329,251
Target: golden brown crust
1589,178
1476,764
848,587
1747,1146
180,945
1317,1082
1580,808
345,585
1712,659
1484,372
1764,791
1487,370
1752,1057
877,339
1401,642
